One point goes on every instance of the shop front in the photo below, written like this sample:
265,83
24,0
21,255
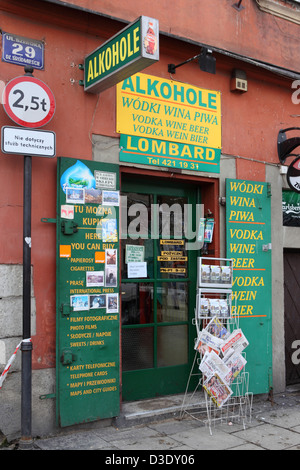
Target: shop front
127,248
129,236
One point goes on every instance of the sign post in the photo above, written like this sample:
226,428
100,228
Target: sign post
26,347
29,103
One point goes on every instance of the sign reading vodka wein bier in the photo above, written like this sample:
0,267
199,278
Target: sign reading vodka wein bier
248,240
131,50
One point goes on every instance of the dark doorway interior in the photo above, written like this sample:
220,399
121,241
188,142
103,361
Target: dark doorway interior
292,316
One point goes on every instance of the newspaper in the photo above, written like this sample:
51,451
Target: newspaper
211,337
236,340
217,389
222,360
235,362
212,363
208,342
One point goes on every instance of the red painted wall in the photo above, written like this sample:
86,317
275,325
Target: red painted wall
250,32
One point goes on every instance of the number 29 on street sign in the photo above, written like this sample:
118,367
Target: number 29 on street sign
28,101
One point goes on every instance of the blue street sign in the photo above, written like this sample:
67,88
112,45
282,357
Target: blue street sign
22,51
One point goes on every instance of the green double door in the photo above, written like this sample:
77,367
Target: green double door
158,271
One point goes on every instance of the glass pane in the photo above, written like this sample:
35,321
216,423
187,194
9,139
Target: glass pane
138,250
172,302
172,259
172,345
136,209
171,216
137,303
137,348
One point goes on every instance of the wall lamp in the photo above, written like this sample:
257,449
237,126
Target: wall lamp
207,62
284,145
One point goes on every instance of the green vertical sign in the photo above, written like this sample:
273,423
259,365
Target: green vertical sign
87,291
248,243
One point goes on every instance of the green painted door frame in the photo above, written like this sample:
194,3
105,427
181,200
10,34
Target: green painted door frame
158,339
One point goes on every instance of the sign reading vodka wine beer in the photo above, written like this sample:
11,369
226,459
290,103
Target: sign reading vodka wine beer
131,50
248,240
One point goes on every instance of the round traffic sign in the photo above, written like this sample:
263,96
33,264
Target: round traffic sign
293,175
28,101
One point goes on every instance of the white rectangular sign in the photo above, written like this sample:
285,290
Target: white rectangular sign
137,270
24,141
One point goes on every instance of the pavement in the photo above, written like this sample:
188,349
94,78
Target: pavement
176,427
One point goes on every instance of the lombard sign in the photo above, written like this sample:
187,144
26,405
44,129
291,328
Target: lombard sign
131,50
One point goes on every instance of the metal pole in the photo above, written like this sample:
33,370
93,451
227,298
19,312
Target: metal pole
26,347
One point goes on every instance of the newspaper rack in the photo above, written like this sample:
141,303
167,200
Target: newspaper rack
221,394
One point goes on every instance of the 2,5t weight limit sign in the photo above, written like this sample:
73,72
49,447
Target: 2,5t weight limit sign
28,101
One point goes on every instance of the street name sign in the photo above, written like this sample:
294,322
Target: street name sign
22,51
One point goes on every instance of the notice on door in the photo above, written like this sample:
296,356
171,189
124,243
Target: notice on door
172,257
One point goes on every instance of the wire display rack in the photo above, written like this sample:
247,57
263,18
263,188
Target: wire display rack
201,404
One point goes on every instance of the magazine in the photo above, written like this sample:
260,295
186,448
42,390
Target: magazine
216,328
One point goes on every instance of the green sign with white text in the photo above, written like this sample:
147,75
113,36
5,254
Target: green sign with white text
131,50
155,152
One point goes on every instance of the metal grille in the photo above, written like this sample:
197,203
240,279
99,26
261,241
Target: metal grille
137,348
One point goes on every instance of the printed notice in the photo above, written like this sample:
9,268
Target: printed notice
28,142
137,270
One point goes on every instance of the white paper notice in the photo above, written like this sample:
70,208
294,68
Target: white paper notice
137,270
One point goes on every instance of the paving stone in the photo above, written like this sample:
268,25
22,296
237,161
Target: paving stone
270,437
201,439
74,441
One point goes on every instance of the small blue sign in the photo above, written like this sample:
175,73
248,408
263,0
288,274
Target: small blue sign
22,51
